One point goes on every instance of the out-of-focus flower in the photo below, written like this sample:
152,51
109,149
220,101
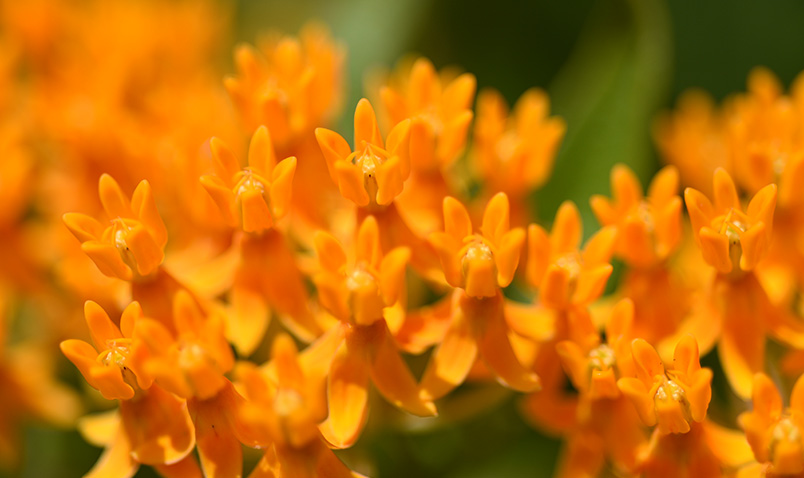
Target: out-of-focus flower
648,228
290,85
515,153
439,110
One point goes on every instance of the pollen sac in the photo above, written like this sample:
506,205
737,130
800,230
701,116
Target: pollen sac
374,173
131,246
673,398
730,239
480,263
256,197
358,291
774,432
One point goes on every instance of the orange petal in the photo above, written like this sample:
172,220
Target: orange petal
566,232
797,395
222,196
144,208
664,186
158,427
330,252
637,393
603,209
101,327
599,247
423,87
83,227
261,156
255,214
453,137
625,186
351,183
390,181
715,250
699,208
507,255
392,274
765,397
108,260
699,393
495,218
725,193
248,320
742,350
422,143
448,249
115,203
456,219
224,162
366,128
451,361
538,254
282,186
392,378
554,288
481,280
347,394
754,244
334,148
591,283
575,363
116,460
399,145
620,320
219,450
647,359
147,253
368,249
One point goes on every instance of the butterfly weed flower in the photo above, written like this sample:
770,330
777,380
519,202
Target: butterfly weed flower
362,293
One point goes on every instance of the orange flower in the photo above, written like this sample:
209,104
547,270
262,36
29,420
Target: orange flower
284,405
693,139
372,174
774,432
670,398
648,229
480,263
131,245
565,275
440,113
362,293
515,153
730,238
115,365
255,197
594,367
290,85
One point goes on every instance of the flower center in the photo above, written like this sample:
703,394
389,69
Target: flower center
602,358
287,402
475,250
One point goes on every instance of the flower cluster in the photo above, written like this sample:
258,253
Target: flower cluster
249,275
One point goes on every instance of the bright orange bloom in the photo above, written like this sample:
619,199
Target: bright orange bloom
669,398
290,85
775,432
648,228
156,428
372,175
363,293
283,408
730,238
515,153
480,263
131,246
564,275
255,197
439,110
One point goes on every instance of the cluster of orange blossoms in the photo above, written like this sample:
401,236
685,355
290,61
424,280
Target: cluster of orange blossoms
248,276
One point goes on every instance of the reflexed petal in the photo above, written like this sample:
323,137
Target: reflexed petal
282,186
636,392
368,248
108,259
255,214
348,398
574,361
392,274
101,327
625,186
334,148
715,250
330,252
451,361
699,208
538,254
591,283
247,321
399,145
742,351
765,397
219,450
647,360
754,244
390,180
144,208
456,219
392,378
725,193
116,460
261,156
664,186
686,358
599,247
481,280
224,162
699,393
797,395
762,205
147,253
448,248
84,228
507,255
222,196
158,427
554,289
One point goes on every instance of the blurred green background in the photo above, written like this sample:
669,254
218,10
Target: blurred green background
609,67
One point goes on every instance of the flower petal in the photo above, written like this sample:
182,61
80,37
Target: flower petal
451,361
347,394
366,127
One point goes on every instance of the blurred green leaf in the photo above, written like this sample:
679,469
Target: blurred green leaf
608,93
